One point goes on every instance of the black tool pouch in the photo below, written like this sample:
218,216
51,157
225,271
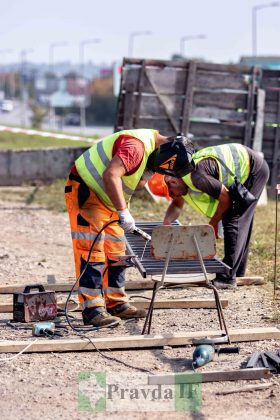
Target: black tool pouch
241,197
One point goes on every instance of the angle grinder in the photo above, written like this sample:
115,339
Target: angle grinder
140,232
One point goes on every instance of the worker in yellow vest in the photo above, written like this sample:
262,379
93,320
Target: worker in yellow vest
97,194
206,189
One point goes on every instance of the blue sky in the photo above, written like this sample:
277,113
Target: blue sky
227,25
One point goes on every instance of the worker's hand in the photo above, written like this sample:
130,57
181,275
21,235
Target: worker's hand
166,222
126,220
216,230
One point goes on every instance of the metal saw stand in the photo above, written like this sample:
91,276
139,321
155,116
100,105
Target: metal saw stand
195,231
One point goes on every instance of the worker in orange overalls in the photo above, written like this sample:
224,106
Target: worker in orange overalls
97,194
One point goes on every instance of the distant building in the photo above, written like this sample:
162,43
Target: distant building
62,92
265,62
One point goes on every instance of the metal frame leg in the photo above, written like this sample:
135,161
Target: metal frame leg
157,286
221,317
148,320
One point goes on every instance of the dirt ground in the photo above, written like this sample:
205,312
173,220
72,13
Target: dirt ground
36,247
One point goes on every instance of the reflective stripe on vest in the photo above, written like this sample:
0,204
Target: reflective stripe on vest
87,236
89,292
92,236
114,290
235,157
92,164
92,303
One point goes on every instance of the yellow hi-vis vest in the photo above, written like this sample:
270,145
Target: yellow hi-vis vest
236,158
92,164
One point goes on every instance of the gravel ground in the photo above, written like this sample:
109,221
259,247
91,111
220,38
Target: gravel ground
35,247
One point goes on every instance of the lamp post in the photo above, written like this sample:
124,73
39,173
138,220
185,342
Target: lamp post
254,23
188,38
51,51
4,51
132,35
51,55
24,91
83,102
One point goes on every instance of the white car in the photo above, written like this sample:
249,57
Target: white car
7,105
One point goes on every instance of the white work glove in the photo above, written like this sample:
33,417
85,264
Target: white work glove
126,220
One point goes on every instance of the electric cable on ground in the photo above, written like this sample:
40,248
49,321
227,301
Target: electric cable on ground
79,329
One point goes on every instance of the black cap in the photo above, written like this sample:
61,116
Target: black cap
173,158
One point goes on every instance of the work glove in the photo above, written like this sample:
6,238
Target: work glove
126,220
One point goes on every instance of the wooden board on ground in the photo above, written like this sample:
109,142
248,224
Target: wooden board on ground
214,376
144,304
135,341
137,284
248,388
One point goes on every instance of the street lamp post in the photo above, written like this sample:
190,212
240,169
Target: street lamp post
188,38
51,51
83,103
51,61
254,23
24,92
4,51
132,35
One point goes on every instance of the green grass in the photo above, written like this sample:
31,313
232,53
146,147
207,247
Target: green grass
261,258
13,141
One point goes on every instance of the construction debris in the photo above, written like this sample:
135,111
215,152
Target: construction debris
266,359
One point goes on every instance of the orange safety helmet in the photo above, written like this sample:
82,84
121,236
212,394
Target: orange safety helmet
158,186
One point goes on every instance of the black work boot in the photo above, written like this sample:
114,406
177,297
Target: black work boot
225,283
128,312
102,320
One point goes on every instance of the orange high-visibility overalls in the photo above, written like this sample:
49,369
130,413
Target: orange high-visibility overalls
101,283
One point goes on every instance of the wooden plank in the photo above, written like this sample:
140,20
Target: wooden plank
218,114
274,175
217,129
272,95
172,80
248,388
258,135
250,108
229,68
131,284
144,304
269,73
269,133
171,120
226,100
180,304
214,376
139,97
151,107
136,341
270,118
220,80
188,103
129,101
250,281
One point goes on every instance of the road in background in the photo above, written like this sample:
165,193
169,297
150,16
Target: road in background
17,117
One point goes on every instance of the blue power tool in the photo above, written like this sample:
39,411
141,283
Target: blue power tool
204,353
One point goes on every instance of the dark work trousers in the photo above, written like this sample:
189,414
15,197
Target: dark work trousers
238,229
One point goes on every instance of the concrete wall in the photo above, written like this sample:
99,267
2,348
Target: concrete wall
24,166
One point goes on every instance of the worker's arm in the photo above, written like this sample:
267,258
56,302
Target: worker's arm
223,206
173,211
113,183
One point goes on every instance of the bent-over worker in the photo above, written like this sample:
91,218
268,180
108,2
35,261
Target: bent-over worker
205,189
97,192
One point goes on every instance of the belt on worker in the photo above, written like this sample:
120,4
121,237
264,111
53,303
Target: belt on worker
75,177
